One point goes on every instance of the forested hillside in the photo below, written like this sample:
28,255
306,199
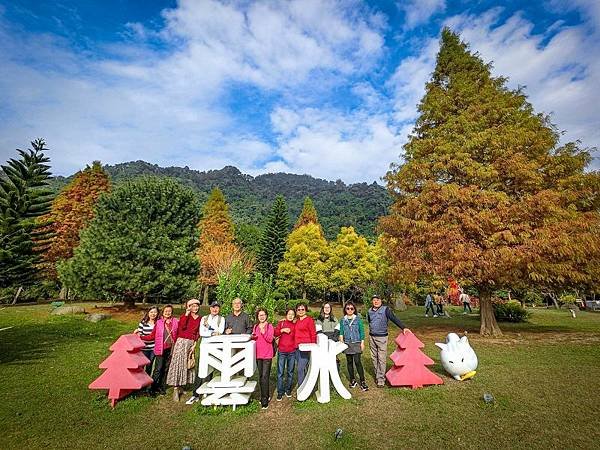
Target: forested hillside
358,205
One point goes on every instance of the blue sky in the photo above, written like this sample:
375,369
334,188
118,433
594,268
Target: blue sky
323,87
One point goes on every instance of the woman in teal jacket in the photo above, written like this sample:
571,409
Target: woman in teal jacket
352,333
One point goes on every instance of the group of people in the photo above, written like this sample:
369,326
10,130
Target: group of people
435,303
170,343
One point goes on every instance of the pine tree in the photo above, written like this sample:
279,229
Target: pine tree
272,241
140,244
71,211
23,198
216,250
308,215
304,266
485,194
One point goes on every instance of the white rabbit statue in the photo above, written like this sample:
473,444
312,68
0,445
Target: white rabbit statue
458,357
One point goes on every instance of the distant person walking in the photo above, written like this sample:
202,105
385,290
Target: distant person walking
378,317
466,301
429,304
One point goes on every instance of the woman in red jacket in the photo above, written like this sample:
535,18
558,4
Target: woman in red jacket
305,333
286,354
180,373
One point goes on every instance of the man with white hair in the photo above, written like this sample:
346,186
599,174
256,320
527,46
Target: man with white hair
238,322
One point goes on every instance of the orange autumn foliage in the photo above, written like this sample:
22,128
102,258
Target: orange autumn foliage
217,252
71,211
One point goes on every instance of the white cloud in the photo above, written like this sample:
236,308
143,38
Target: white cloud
561,72
165,106
329,144
409,78
417,12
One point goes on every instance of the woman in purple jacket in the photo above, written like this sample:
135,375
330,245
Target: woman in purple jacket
263,333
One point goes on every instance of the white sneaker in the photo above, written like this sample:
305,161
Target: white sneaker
426,315
435,315
193,399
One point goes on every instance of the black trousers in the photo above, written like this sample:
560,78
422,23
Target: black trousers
467,305
354,360
264,371
428,308
199,381
161,368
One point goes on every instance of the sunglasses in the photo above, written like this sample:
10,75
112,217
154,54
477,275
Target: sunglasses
301,309
349,308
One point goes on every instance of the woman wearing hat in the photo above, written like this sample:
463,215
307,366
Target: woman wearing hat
180,373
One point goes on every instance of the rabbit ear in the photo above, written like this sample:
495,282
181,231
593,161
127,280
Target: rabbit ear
464,340
442,346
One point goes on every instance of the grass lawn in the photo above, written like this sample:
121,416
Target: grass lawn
544,375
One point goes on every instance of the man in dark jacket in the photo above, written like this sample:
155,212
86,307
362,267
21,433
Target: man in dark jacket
238,322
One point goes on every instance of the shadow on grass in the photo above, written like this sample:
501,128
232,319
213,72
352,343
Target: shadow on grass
28,343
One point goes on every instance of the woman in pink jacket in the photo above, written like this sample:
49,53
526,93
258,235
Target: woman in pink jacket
164,336
263,334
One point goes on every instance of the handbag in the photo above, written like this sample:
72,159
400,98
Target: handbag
191,359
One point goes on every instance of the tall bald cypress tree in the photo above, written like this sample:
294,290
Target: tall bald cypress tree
486,193
272,241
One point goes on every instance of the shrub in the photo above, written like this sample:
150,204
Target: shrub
510,312
281,306
256,291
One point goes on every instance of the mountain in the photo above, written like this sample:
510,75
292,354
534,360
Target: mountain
250,198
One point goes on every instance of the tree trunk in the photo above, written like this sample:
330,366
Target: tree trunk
489,326
129,301
17,294
554,300
63,293
205,295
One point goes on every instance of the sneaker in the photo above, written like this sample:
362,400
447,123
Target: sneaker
363,386
353,384
279,397
380,385
288,394
265,406
435,315
426,315
193,399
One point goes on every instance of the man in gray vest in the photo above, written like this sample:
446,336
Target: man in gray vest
378,317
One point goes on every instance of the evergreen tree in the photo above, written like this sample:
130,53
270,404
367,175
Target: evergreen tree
71,211
308,215
272,241
486,194
23,198
139,245
304,266
216,250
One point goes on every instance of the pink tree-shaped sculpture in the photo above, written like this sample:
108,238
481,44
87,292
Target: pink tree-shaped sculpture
124,369
409,364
